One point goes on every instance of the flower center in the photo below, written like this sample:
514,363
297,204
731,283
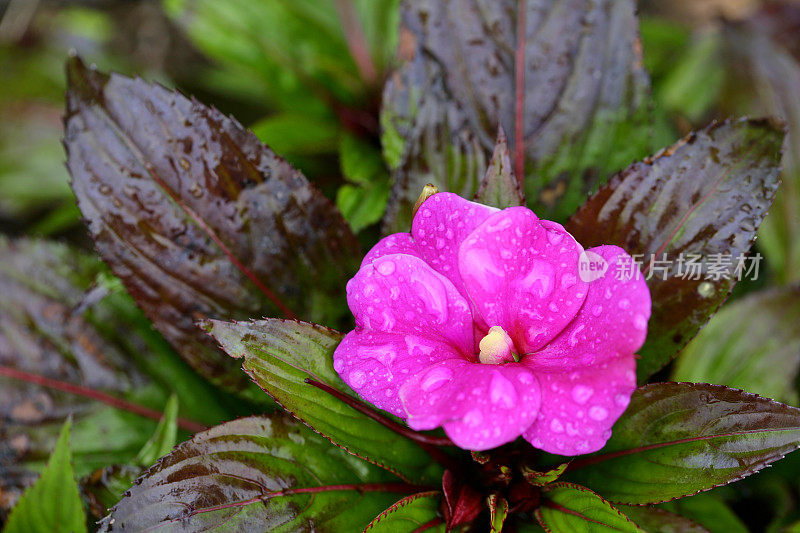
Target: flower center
497,348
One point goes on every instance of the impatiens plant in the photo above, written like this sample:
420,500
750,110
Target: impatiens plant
494,362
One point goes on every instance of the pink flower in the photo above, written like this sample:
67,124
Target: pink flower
492,325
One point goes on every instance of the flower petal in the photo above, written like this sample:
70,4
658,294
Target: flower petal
377,364
522,274
396,243
400,293
579,407
612,321
479,406
441,224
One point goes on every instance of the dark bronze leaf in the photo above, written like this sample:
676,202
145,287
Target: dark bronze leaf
197,217
581,105
705,195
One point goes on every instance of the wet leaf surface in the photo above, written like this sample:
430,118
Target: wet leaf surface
197,217
583,101
751,344
570,508
280,355
256,474
659,520
57,322
763,80
53,503
409,514
676,439
705,197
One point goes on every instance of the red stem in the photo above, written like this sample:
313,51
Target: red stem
356,41
428,443
113,401
519,142
422,438
558,507
224,247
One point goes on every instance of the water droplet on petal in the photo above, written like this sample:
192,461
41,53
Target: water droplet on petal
568,280
556,426
386,268
597,310
338,364
598,413
539,279
624,303
440,243
554,237
501,391
608,294
435,378
581,393
357,379
640,322
473,418
622,400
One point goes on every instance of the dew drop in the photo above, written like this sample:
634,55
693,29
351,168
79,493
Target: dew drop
440,243
581,394
598,413
705,289
501,391
435,378
554,237
357,379
568,280
196,190
622,400
473,418
597,310
386,268
556,426
624,303
640,322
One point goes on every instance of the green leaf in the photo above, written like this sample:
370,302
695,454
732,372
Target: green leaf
53,504
197,217
697,76
763,80
500,188
705,195
655,520
293,133
264,473
409,514
458,85
745,344
570,508
294,53
498,512
676,439
364,202
708,511
64,318
164,437
279,355
540,479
